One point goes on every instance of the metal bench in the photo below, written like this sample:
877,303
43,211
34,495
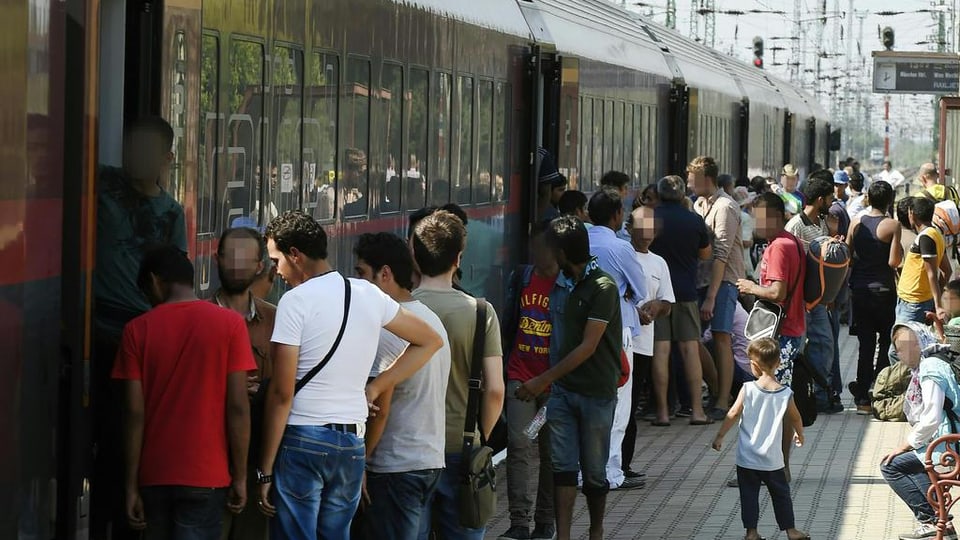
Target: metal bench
943,475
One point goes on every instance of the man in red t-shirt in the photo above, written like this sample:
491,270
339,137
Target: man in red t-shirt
781,275
183,367
528,329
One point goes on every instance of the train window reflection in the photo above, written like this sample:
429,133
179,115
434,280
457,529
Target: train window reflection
608,141
618,141
638,142
242,173
320,136
415,174
586,142
650,152
440,183
501,144
482,182
209,134
355,135
287,98
463,168
391,125
596,158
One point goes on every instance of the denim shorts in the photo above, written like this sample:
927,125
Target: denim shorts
723,308
913,311
580,438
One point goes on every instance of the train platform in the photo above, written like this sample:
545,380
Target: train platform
838,493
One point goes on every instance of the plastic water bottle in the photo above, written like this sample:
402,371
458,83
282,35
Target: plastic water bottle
538,421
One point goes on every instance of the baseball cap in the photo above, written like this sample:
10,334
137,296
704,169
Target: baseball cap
789,170
841,177
547,171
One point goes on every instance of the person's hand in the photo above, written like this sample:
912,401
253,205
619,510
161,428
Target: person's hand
889,457
134,506
745,286
646,313
253,384
529,390
717,443
372,394
943,315
706,309
266,508
237,498
798,439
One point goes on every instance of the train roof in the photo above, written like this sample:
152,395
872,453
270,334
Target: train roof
501,15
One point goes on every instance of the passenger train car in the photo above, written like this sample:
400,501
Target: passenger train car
358,111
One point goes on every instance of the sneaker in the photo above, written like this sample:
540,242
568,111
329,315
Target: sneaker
733,483
516,532
634,474
632,483
924,530
544,531
716,414
864,410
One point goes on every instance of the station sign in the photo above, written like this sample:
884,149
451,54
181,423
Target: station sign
916,73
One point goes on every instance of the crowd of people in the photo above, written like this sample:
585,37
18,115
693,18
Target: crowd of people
621,317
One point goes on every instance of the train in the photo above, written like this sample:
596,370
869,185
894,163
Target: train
357,111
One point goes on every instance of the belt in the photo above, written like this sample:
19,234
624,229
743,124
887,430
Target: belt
354,429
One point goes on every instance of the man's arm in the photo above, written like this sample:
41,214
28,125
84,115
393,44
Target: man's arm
896,250
494,390
592,333
133,428
424,343
238,436
775,292
279,400
377,424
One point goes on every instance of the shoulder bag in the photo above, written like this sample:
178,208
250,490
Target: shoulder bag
478,478
766,317
258,402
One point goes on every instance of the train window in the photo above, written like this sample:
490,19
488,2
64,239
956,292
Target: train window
608,141
209,135
638,142
651,143
287,97
586,141
596,157
392,125
618,141
440,183
320,136
244,145
355,134
415,174
501,144
628,143
463,168
482,185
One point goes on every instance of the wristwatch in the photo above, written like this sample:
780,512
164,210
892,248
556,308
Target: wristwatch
264,478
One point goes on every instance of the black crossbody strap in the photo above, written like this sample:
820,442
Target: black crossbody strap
796,282
474,382
336,343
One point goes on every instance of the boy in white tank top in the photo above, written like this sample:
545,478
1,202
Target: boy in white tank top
764,408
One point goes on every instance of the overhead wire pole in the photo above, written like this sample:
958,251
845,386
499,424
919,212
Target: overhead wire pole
819,48
695,7
795,47
672,14
710,23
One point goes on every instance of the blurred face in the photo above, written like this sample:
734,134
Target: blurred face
699,184
951,302
769,222
789,183
823,204
886,167
908,347
644,226
543,257
239,264
650,198
144,155
287,267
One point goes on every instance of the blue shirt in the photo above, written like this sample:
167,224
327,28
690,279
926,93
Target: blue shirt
616,257
681,234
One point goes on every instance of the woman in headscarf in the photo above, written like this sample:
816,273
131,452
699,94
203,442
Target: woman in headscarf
932,384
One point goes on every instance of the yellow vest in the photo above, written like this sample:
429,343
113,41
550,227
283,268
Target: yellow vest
913,285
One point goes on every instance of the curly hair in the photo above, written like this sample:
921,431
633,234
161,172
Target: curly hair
385,249
706,165
296,229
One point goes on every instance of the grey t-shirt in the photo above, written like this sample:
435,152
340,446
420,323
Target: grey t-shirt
415,434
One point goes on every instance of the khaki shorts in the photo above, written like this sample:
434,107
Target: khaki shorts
683,324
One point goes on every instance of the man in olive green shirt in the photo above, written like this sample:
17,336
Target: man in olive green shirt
584,396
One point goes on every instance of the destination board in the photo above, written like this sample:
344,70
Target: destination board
916,73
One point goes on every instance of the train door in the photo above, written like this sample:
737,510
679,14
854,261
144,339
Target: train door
743,139
788,156
811,143
148,62
679,127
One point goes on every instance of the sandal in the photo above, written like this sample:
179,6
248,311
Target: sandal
705,422
660,424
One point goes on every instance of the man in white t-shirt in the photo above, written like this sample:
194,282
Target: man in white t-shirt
655,304
321,427
891,175
405,440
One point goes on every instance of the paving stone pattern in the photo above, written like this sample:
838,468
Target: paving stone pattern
838,493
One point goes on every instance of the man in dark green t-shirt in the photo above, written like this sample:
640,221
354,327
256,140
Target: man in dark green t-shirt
584,396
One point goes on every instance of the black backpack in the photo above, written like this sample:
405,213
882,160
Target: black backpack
805,376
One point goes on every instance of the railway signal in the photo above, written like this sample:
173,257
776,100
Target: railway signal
886,35
758,52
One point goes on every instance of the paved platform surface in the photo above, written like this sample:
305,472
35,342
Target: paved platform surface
838,493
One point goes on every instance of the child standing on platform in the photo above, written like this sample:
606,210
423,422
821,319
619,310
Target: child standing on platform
764,408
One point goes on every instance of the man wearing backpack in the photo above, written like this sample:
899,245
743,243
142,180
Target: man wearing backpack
933,189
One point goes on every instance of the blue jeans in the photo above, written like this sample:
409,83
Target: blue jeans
749,481
913,311
183,512
399,504
316,484
444,510
910,482
836,383
580,439
820,347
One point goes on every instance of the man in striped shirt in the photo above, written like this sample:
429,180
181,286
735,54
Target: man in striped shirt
808,225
